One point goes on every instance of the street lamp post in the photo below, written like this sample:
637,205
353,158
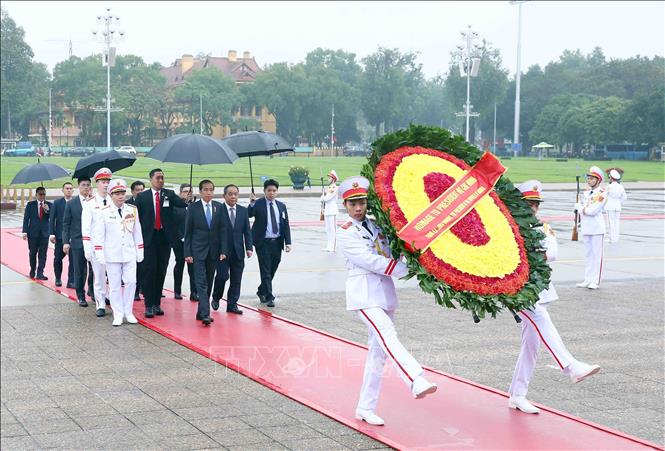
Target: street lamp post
518,73
470,66
108,30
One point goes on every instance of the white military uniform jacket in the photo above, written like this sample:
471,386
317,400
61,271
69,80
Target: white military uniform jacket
117,239
370,266
616,195
329,199
90,207
551,250
591,218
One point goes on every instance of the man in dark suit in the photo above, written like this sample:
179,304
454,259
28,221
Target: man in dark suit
55,235
72,241
137,188
185,194
160,233
271,234
205,244
239,237
35,230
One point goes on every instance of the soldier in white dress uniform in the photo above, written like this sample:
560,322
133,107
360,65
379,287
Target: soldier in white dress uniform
101,199
329,200
537,325
371,293
592,227
616,196
118,244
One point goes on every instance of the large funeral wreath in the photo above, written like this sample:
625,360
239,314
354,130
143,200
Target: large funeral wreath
491,259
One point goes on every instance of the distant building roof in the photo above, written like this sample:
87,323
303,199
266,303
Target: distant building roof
242,70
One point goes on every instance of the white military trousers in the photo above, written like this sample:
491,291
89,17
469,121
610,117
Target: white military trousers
537,327
99,270
593,258
122,298
331,227
613,223
383,343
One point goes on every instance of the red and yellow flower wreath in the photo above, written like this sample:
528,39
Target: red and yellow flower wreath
489,260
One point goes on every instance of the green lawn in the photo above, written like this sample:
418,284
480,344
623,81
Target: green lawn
519,169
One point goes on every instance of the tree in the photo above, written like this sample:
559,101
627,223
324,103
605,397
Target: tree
389,83
643,119
283,89
332,77
24,83
81,84
142,88
218,93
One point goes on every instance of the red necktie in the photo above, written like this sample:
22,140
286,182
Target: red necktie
158,212
41,211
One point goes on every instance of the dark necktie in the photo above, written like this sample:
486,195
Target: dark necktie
105,202
232,217
366,226
120,212
273,218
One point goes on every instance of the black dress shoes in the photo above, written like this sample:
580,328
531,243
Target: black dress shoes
107,301
100,312
158,310
70,285
58,282
215,304
201,318
41,277
82,302
206,320
270,303
149,313
32,274
193,298
262,298
177,296
235,310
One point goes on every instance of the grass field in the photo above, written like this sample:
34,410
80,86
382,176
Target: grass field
519,169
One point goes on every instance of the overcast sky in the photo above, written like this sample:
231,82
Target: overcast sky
286,31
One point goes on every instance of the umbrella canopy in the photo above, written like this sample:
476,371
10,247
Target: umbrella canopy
543,145
115,160
39,172
250,144
192,149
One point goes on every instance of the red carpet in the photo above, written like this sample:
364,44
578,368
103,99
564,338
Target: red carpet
324,372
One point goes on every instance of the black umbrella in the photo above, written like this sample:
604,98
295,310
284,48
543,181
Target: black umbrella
39,172
192,149
251,144
115,160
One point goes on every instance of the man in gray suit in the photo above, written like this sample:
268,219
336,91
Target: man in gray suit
72,240
205,244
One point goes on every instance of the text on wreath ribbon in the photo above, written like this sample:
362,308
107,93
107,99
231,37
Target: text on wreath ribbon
451,206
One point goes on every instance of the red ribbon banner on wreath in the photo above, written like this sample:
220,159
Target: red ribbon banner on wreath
453,204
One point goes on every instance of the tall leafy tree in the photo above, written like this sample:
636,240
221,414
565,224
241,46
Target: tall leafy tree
389,82
81,83
24,82
216,90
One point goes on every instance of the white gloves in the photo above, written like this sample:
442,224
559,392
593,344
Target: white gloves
578,207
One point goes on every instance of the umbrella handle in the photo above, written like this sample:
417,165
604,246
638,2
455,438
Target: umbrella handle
251,174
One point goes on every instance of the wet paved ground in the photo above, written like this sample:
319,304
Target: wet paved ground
71,384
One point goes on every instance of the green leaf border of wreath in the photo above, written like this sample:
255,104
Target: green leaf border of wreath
479,305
